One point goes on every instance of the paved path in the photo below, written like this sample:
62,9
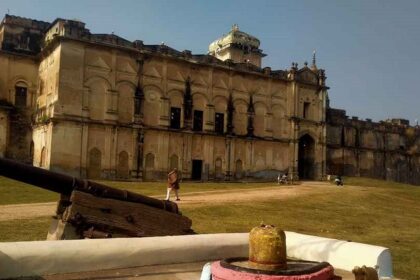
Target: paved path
192,199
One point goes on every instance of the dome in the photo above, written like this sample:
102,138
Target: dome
235,37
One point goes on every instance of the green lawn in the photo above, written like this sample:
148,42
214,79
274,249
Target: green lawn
14,192
380,213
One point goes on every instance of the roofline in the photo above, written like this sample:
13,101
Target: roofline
162,55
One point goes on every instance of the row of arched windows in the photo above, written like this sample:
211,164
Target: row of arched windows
94,169
158,109
219,173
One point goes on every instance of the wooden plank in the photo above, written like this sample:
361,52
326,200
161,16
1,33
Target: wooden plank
125,218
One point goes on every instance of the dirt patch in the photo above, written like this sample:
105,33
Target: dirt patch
236,196
192,199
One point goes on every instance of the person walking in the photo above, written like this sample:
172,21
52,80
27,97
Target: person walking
339,181
173,184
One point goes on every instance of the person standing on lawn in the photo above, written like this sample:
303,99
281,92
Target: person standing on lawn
173,184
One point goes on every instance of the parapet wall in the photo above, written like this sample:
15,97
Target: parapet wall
387,150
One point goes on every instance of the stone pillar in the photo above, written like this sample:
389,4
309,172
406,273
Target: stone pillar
269,125
251,115
4,124
230,111
188,105
164,112
84,150
228,159
139,155
209,124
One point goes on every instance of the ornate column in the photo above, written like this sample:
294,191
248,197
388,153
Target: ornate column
138,133
188,105
230,111
140,143
139,95
251,115
294,125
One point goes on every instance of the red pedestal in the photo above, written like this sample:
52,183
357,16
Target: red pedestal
220,273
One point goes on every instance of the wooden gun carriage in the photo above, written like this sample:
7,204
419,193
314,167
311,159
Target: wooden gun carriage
88,209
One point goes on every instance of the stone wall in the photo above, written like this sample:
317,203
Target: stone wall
387,150
100,106
4,127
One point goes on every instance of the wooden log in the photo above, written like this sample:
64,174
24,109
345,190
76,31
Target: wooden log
121,218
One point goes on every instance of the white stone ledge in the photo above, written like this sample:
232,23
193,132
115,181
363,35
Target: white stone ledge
340,254
52,257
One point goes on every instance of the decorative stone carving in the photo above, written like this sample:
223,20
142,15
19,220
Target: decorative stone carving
230,111
188,103
138,99
251,115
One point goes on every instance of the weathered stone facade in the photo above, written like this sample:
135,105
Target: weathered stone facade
386,150
100,106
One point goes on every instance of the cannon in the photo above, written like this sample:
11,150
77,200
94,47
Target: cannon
88,209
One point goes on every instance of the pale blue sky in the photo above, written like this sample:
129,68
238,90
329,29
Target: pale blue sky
370,49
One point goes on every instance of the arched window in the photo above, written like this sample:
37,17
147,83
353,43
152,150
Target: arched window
95,162
21,94
122,168
150,161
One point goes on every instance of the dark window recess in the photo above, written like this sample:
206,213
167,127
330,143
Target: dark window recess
306,109
175,117
198,121
20,96
197,166
343,139
219,123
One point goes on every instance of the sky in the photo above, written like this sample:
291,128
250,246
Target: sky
369,49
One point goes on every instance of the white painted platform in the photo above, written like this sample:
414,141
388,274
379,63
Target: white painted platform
39,258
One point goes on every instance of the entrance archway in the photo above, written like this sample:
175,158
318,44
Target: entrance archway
306,157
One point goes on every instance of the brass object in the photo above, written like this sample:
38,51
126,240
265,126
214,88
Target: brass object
267,248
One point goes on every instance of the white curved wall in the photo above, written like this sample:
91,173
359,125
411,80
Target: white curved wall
52,257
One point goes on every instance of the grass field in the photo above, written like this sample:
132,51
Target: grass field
14,192
378,212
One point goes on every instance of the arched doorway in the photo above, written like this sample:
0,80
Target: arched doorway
149,167
306,157
95,164
122,168
218,169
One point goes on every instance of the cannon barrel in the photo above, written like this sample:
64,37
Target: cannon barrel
65,184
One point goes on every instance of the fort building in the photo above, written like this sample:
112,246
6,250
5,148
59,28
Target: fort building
99,106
